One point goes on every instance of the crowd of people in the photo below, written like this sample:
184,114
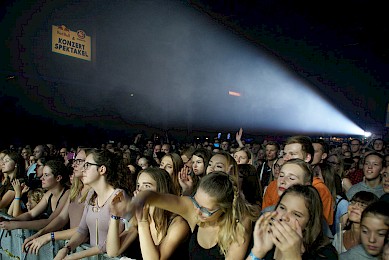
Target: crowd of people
301,198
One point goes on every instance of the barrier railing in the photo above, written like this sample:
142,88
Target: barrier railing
11,242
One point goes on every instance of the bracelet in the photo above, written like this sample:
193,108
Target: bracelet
253,257
115,217
52,237
16,198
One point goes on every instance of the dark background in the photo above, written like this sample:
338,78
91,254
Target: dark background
168,65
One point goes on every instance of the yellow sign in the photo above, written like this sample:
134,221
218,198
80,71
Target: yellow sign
75,44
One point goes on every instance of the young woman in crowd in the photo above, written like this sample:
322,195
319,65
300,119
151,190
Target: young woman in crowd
220,220
173,164
294,229
55,179
71,213
224,162
190,178
373,233
101,173
350,235
13,168
155,233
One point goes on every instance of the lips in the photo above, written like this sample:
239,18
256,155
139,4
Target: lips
281,189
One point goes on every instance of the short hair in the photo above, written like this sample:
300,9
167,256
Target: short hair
377,208
58,168
325,146
308,175
375,154
36,194
355,139
306,144
277,145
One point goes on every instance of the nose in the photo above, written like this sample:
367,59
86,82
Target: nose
286,157
372,238
285,217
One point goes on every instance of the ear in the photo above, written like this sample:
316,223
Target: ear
308,158
58,178
324,156
102,169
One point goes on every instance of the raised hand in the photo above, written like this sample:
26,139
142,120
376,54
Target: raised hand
185,180
263,241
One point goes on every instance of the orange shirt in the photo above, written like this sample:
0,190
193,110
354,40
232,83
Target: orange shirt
271,195
326,199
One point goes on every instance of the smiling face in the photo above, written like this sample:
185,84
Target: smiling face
372,167
292,208
373,233
290,174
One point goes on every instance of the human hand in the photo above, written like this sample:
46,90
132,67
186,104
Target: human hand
28,239
119,205
262,234
238,135
25,188
16,186
185,179
8,225
33,246
288,238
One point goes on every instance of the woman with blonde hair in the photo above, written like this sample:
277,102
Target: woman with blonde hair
220,220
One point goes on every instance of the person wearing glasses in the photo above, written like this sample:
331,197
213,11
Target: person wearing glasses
219,218
55,179
349,236
154,233
102,173
71,213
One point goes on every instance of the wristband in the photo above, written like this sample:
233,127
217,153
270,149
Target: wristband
52,237
115,217
253,257
16,198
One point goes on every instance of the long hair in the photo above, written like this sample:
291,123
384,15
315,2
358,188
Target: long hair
177,166
20,172
223,188
77,184
162,218
250,184
313,236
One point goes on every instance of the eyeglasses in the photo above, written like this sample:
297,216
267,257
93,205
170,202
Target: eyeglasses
78,161
203,210
87,165
358,204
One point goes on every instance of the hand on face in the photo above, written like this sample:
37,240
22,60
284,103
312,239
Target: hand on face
288,238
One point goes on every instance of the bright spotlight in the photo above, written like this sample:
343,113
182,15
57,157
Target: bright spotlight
367,134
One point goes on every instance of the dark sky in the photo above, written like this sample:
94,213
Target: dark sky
170,65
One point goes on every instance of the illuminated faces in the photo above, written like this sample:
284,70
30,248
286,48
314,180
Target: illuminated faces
290,174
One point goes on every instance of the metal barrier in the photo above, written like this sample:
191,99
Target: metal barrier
11,246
